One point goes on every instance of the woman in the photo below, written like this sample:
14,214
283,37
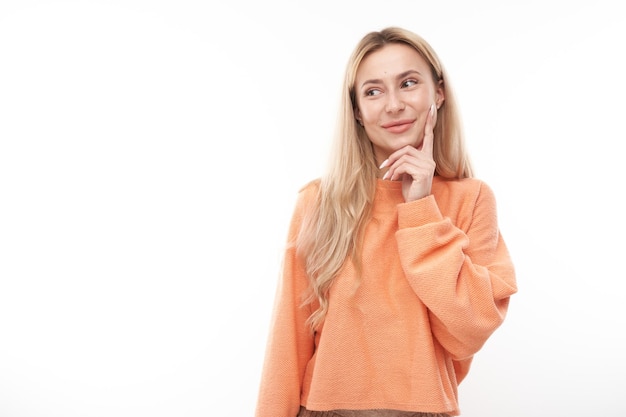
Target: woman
395,273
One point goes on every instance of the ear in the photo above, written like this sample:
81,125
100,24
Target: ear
440,94
357,116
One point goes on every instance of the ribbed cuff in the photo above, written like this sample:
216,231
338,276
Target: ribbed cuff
419,212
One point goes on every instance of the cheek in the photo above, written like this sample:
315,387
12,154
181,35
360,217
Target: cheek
368,114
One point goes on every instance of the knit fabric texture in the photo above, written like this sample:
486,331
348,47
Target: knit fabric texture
436,282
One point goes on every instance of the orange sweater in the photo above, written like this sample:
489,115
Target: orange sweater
436,283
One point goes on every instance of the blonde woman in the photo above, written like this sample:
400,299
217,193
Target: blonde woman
395,272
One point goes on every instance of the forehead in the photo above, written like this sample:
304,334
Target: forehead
390,60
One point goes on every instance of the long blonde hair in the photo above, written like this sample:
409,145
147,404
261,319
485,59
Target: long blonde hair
332,230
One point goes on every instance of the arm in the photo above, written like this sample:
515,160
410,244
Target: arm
290,343
465,278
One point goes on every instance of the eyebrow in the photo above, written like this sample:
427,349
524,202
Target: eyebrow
400,76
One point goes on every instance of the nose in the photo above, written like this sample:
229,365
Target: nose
394,102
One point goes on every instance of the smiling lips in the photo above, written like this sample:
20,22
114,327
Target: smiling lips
398,126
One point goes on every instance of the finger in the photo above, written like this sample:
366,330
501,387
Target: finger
405,164
429,135
405,150
417,173
394,157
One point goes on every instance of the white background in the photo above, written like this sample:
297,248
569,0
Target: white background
150,153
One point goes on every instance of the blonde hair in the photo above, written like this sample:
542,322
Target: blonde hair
332,230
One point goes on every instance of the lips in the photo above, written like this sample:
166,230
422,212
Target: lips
398,126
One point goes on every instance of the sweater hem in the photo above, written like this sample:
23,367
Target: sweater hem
374,405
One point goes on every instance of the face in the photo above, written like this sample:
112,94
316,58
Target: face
394,91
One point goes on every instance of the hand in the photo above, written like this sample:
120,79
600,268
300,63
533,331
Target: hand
415,166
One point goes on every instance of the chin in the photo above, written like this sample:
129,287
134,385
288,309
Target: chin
412,142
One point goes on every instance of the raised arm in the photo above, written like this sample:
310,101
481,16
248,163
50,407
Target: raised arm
464,276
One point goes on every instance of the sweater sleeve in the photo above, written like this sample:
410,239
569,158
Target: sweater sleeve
290,342
464,277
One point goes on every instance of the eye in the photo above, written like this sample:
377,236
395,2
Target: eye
408,83
372,92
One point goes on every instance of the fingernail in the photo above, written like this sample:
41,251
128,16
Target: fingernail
432,109
384,164
385,176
